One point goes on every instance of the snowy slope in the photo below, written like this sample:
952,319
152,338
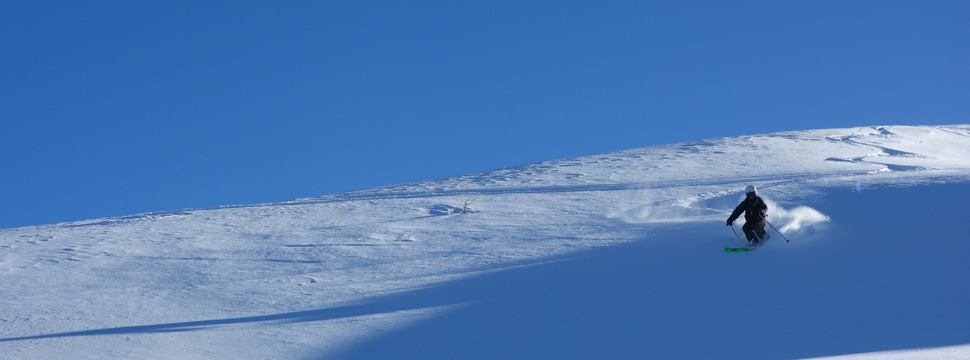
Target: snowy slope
608,256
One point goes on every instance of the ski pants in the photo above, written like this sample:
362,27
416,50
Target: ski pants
754,229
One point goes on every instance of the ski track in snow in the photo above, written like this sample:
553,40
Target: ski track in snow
312,278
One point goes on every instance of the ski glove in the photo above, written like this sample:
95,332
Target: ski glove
729,223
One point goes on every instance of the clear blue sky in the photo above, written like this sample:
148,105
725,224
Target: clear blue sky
113,108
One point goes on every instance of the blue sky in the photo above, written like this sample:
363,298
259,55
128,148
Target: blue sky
112,108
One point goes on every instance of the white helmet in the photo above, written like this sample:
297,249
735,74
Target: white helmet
750,189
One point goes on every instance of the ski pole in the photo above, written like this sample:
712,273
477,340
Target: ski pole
776,230
735,232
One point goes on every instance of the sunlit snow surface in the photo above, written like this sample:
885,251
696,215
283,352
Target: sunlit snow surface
616,255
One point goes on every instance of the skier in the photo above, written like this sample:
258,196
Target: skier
755,211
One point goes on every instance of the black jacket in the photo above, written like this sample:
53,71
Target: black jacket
753,209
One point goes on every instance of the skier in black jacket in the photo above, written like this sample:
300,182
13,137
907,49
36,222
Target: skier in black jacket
755,211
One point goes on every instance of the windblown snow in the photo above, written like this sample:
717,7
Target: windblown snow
616,255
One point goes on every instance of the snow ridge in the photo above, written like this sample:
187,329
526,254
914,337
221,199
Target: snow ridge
609,255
